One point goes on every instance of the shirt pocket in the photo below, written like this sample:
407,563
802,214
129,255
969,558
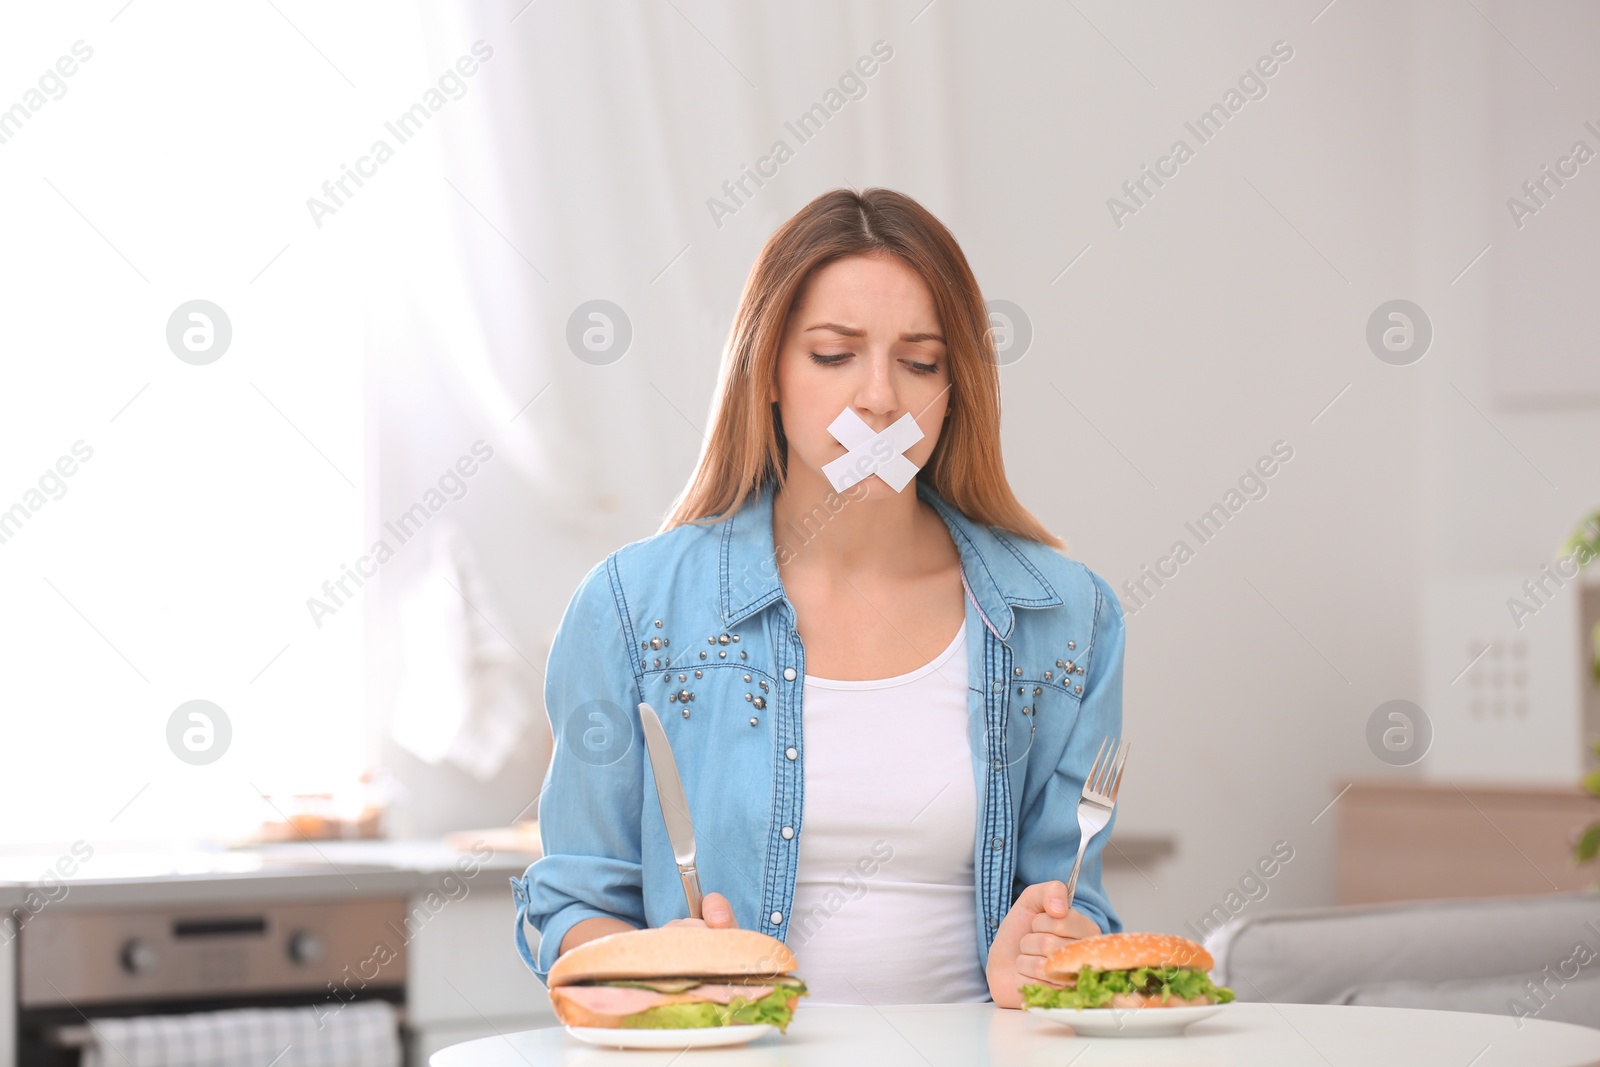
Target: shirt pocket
1043,712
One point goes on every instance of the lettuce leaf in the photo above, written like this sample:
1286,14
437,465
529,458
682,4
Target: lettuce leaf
1095,989
772,1009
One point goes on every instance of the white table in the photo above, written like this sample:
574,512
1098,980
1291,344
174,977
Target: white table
971,1035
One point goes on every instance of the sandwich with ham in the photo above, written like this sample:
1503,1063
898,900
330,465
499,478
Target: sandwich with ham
1127,971
676,977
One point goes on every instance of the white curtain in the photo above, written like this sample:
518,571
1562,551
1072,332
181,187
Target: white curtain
586,159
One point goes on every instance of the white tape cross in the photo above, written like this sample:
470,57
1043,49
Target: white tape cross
872,453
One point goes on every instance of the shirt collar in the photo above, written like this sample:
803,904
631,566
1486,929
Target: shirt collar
998,575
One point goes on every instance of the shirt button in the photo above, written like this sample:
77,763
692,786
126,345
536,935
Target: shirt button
998,764
775,918
999,841
787,832
788,674
791,753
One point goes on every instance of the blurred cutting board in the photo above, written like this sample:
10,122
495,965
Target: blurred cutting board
522,837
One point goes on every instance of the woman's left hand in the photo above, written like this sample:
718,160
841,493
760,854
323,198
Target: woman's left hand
1037,924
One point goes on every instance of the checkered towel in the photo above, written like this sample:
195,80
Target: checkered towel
363,1034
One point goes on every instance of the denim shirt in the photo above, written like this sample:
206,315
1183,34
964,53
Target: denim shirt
695,622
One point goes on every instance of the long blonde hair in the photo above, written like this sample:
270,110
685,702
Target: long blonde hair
745,450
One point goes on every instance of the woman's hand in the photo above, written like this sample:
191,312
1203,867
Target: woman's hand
717,911
1037,924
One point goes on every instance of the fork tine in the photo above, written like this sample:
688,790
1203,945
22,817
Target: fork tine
1094,768
1122,758
1104,780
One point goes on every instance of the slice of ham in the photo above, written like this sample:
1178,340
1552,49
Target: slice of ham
621,1000
1153,1000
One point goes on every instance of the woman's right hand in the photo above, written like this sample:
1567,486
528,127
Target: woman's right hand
717,912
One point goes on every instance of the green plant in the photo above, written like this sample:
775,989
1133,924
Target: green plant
1584,544
1588,845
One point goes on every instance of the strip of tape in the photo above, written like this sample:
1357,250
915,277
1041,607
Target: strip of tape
872,453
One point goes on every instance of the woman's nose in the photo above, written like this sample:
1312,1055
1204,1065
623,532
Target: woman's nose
877,393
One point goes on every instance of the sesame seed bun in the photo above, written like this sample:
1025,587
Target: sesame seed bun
1121,952
673,952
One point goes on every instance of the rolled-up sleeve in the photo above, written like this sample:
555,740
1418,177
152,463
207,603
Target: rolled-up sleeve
590,803
1048,836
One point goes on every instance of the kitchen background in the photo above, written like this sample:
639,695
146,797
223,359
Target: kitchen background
284,282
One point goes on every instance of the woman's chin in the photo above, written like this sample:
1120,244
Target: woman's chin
874,490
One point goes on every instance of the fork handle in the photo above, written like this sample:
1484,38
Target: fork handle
1077,865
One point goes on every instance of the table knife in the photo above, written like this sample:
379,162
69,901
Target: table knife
674,805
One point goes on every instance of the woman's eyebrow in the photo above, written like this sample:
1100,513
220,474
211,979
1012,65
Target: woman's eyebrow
851,331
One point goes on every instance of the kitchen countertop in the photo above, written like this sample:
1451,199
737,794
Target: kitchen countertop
122,876
125,875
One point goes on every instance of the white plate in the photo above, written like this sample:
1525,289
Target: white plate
693,1037
1129,1022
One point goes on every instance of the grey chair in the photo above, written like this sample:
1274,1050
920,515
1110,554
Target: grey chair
1528,957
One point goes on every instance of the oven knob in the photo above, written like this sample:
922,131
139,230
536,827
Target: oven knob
139,957
306,948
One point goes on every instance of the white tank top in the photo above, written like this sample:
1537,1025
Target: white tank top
885,905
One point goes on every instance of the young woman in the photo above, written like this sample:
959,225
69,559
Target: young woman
882,703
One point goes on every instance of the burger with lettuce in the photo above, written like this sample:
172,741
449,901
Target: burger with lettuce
675,978
1127,971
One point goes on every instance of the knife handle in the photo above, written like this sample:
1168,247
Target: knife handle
691,888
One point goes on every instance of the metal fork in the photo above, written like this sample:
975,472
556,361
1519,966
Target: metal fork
1098,801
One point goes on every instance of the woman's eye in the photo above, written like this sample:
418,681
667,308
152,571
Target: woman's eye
922,368
830,359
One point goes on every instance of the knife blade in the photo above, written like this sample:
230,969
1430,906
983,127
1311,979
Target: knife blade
674,805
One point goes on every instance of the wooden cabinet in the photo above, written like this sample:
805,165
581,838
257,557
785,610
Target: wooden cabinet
1423,840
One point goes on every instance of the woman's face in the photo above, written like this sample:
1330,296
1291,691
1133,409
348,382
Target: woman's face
864,336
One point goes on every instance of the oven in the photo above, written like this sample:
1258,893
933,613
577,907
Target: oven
74,965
